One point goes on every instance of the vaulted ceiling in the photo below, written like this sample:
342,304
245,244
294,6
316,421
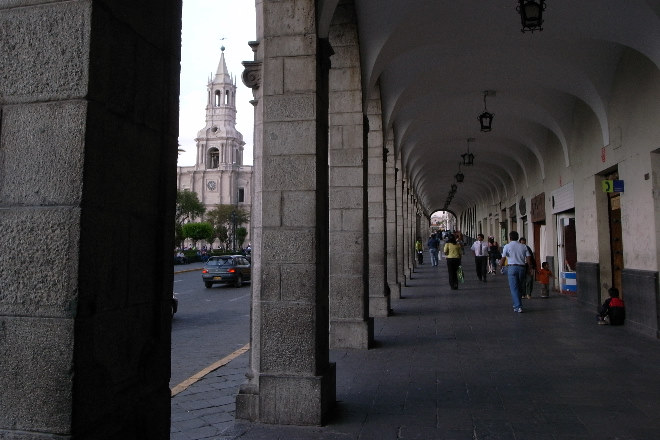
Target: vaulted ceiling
432,60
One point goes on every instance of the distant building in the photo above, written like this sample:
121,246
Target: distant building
219,175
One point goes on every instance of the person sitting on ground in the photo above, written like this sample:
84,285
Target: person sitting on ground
613,310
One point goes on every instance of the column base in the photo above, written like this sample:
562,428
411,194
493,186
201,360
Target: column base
395,290
288,400
352,334
379,306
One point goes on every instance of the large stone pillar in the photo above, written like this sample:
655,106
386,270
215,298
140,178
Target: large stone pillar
404,230
291,380
391,221
409,240
350,324
400,220
88,148
379,293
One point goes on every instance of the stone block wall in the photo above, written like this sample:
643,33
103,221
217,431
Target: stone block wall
88,139
642,299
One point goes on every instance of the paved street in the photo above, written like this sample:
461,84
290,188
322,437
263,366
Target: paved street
210,323
456,365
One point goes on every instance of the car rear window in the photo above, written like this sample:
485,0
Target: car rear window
220,262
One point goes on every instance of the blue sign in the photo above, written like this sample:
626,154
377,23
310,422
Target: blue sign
618,186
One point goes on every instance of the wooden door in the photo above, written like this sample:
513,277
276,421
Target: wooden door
616,243
570,247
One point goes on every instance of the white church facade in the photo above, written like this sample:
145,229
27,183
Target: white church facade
219,175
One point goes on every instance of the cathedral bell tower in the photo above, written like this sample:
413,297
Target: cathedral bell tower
219,145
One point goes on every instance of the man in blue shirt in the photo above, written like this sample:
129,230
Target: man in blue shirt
517,257
433,245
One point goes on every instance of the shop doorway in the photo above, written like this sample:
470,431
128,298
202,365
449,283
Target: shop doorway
567,252
616,236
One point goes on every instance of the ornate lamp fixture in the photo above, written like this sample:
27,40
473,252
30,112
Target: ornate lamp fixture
459,176
468,158
531,14
486,118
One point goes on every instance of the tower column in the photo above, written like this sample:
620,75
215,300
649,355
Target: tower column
290,379
85,346
379,293
350,325
400,220
391,220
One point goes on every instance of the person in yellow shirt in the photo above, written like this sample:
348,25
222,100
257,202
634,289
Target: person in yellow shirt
453,251
419,250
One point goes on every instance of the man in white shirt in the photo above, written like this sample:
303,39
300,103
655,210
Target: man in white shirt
480,249
517,257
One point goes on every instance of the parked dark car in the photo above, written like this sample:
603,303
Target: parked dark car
175,305
226,269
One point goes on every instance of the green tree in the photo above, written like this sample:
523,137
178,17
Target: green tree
178,234
223,234
188,207
241,233
221,219
198,231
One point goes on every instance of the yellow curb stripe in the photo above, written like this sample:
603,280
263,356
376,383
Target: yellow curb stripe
224,361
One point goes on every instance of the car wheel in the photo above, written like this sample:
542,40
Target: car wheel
208,284
239,281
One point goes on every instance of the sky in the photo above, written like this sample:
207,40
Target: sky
205,24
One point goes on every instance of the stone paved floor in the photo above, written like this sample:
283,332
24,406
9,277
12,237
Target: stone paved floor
457,365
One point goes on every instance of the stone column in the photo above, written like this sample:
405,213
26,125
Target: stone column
291,380
400,220
350,324
410,231
379,294
88,149
391,221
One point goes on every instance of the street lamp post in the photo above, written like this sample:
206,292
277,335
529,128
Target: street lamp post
233,233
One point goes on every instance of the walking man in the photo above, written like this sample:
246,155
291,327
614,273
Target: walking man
531,271
518,257
480,249
433,245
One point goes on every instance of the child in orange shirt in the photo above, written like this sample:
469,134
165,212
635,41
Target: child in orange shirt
544,279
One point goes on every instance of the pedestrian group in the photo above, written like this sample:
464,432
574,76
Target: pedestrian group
516,260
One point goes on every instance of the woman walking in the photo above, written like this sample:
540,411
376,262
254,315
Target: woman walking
493,255
453,252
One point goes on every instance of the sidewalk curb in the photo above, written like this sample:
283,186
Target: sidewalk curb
187,270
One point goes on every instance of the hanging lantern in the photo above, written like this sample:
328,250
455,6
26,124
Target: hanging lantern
468,158
486,118
531,15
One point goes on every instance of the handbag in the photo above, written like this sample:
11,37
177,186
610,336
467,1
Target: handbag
459,274
504,264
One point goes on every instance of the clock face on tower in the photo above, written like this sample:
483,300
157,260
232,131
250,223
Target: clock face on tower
210,185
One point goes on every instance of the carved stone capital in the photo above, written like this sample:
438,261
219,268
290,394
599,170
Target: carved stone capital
252,74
